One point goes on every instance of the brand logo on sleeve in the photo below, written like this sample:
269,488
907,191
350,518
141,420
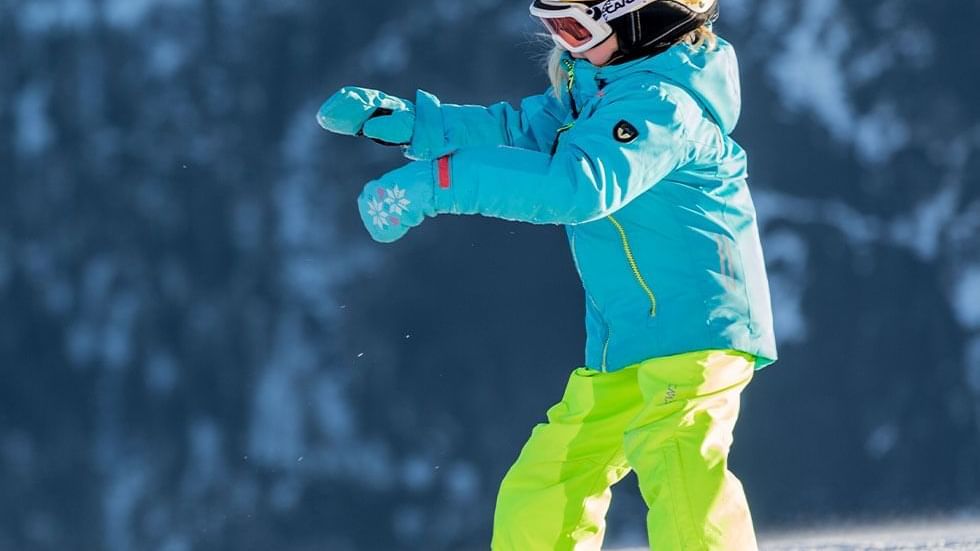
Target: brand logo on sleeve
625,132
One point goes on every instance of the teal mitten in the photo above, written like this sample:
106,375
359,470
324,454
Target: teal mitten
399,200
354,111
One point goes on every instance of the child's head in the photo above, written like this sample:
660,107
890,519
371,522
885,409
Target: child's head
610,49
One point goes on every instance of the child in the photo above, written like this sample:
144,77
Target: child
629,150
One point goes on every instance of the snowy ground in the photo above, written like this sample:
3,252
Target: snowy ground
906,536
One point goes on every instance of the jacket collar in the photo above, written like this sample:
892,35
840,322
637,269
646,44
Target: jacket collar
661,63
711,77
589,77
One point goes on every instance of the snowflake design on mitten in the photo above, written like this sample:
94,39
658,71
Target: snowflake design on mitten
376,210
396,200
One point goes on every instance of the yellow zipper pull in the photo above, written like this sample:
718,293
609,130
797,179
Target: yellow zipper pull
554,145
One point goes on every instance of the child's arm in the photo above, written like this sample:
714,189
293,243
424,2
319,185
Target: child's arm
600,165
441,129
429,129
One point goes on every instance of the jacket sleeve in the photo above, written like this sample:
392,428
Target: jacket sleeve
597,169
441,128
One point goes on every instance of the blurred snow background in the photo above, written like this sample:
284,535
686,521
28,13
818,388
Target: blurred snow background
202,349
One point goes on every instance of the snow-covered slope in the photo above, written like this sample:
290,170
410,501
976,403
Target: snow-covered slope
904,536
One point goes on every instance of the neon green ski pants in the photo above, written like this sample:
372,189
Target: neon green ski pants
671,420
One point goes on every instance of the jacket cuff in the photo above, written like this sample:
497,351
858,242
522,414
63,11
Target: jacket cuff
429,135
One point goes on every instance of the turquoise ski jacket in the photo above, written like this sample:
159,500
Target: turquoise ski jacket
637,163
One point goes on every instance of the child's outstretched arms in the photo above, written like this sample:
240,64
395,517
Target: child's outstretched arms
600,165
428,129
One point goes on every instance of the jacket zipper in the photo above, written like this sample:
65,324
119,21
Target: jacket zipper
632,261
570,69
605,344
605,347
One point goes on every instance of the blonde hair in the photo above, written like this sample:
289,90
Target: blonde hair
696,39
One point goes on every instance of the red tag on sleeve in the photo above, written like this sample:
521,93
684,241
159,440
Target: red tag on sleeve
444,176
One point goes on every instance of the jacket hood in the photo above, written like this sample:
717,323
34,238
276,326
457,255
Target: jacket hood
711,77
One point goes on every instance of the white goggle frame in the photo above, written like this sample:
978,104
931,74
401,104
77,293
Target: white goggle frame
593,18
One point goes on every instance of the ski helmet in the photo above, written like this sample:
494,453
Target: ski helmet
643,27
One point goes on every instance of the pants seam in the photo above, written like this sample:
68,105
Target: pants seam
595,486
687,497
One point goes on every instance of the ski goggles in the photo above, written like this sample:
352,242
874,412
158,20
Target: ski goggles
577,27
